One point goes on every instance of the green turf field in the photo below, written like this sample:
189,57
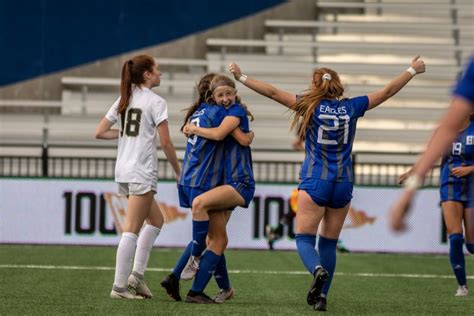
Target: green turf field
53,280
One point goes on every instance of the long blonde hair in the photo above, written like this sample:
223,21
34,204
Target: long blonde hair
223,80
329,87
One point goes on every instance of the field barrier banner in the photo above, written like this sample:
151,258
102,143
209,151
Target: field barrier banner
88,212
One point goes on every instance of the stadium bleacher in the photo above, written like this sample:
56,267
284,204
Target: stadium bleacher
366,42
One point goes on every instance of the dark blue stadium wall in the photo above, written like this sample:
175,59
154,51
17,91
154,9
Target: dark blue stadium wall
38,37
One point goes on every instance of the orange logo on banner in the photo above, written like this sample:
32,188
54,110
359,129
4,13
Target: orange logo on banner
118,206
357,218
294,200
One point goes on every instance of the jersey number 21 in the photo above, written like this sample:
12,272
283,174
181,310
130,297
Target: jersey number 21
332,125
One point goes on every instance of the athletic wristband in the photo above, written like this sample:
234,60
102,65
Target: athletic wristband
413,183
242,78
411,70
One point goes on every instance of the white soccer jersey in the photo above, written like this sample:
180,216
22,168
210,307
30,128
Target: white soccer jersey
137,160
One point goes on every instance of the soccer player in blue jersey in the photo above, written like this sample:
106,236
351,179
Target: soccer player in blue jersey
328,124
237,189
461,107
457,170
201,172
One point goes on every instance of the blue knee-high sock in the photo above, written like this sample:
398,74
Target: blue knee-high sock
221,275
327,251
207,265
456,257
305,244
200,229
178,268
470,248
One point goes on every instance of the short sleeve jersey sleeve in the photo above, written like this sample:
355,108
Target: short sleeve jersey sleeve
159,110
360,105
112,113
465,86
239,111
217,116
236,110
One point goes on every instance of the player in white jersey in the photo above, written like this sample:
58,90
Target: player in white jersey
139,113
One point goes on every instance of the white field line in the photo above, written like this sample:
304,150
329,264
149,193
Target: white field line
376,275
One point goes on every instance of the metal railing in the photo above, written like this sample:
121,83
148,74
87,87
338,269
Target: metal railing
366,171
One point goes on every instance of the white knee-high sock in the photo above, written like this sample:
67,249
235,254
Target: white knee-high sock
123,264
145,243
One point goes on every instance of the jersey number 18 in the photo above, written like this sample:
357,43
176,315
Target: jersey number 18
132,124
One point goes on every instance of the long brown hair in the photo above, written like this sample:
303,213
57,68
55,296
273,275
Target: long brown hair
132,73
203,93
223,80
328,88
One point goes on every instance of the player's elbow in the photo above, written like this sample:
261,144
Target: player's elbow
99,134
218,136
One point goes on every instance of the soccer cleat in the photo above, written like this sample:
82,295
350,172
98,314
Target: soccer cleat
171,285
340,247
462,291
198,298
273,234
191,268
269,234
224,295
139,286
320,277
124,293
320,304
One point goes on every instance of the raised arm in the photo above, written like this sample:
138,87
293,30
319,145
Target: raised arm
229,124
396,84
263,88
168,147
105,131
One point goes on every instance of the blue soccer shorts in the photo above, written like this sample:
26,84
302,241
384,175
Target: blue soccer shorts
328,193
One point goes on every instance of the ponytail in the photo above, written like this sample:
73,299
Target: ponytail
326,85
125,87
203,93
132,73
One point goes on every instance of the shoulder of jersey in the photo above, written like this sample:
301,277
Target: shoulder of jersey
156,96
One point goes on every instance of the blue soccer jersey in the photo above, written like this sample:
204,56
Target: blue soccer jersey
465,86
238,158
329,139
454,188
202,165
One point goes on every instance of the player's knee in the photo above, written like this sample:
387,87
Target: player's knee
199,206
224,242
470,248
221,243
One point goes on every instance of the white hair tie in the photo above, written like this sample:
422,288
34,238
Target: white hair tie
327,77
